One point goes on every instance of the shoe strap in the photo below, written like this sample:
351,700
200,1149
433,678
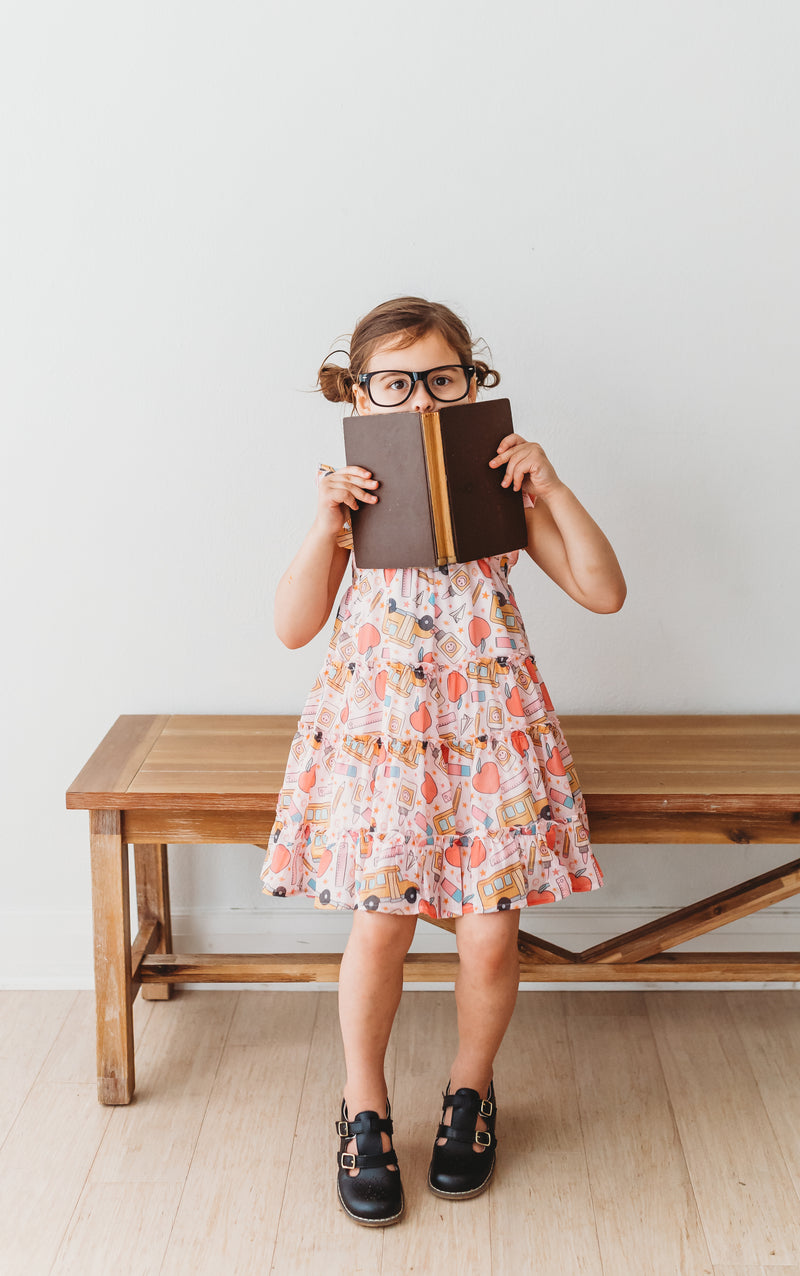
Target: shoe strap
374,1161
475,1106
486,1138
363,1123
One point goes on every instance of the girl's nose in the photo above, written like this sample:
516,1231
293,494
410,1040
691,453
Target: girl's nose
421,400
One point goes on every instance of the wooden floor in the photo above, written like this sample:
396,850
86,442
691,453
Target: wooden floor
639,1132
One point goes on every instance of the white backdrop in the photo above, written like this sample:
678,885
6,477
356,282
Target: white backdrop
199,202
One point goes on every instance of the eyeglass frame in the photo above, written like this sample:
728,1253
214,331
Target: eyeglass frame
365,377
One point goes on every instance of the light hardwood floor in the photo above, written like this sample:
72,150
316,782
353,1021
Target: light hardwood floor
639,1132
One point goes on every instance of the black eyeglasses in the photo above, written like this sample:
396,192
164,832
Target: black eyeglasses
390,388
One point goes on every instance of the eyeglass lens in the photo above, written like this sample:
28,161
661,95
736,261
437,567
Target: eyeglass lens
388,389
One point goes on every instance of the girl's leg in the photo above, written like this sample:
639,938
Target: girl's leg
486,989
370,987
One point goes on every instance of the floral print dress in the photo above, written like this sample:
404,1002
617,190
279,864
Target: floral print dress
428,772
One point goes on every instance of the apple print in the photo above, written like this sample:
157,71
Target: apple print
425,909
487,778
531,668
456,686
483,563
478,853
580,883
308,778
380,685
520,742
453,855
388,574
540,897
344,713
548,704
280,858
420,719
514,704
554,763
368,637
479,631
429,788
324,861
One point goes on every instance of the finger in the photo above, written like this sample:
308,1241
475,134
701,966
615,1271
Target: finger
356,470
509,450
501,447
357,487
350,492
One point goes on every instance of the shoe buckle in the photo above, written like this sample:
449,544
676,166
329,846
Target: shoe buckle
483,1137
487,1107
343,1158
343,1133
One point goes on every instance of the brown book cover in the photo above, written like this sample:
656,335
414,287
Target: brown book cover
439,500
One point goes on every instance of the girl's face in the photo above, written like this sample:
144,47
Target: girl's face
429,351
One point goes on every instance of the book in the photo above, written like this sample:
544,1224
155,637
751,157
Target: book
439,500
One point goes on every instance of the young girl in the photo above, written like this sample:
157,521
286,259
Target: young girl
429,773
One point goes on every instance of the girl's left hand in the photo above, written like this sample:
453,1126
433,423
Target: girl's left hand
527,467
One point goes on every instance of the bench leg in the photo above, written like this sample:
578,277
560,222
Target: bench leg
152,898
112,958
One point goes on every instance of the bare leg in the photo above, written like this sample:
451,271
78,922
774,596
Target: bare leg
486,990
370,988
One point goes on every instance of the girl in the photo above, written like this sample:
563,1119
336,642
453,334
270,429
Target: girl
428,773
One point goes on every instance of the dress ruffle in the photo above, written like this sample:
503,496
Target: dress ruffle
399,811
429,772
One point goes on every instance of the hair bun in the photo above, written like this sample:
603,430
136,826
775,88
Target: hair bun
336,382
483,372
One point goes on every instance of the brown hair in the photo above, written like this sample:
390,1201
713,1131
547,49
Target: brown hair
413,316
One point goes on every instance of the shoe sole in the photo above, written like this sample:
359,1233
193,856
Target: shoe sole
463,1196
373,1222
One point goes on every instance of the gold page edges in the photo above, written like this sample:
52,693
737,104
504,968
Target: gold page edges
437,481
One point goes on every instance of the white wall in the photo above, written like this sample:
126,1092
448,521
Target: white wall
201,199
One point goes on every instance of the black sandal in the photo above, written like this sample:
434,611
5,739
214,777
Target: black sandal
456,1169
374,1196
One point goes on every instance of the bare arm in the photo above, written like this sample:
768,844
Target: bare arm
565,541
307,589
563,538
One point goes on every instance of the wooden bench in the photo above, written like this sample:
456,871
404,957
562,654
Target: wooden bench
721,779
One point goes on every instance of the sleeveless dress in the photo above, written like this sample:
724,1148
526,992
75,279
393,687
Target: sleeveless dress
428,772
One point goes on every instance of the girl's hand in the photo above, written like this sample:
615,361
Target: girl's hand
340,491
527,467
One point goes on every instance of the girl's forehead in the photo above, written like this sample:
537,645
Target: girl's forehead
432,348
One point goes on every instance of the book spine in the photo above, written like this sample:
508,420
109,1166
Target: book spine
437,485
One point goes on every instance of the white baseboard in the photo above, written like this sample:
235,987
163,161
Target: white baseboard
52,950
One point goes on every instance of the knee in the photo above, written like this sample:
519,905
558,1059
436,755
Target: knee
384,934
489,943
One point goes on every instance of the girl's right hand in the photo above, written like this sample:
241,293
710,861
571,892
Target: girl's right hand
340,491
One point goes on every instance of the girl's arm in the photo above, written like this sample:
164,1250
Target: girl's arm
563,538
307,589
565,541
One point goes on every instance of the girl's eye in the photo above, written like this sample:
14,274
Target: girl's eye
443,379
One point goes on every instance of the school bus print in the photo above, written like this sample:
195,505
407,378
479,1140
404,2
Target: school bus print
504,614
407,752
503,887
484,671
403,678
385,883
523,808
342,674
403,626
